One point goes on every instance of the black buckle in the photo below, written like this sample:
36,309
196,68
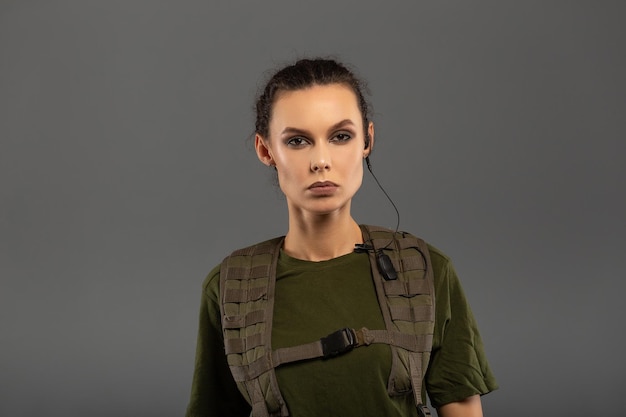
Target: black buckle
423,411
341,341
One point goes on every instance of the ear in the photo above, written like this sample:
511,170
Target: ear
263,151
370,133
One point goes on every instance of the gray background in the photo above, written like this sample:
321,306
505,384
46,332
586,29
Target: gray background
126,175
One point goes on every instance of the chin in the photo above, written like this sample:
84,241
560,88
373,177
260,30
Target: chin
325,209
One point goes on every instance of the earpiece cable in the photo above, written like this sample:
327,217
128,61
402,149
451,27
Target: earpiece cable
369,167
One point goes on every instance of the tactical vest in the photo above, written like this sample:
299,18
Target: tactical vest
247,283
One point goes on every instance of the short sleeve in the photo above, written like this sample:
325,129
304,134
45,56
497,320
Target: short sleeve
213,392
458,366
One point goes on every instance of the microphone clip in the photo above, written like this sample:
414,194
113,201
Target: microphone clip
385,266
363,247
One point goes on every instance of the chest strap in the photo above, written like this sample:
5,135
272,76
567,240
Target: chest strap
336,343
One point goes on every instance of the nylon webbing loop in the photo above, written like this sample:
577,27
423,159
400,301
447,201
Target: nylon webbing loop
423,411
415,370
414,262
243,345
243,273
411,287
237,295
249,319
410,342
413,314
259,408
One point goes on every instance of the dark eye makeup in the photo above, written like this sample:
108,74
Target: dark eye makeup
295,141
337,137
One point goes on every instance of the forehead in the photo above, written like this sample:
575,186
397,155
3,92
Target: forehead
317,105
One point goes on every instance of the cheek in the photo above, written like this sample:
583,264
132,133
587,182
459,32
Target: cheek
358,176
358,165
286,174
292,165
356,173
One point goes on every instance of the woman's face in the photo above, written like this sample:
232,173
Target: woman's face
316,141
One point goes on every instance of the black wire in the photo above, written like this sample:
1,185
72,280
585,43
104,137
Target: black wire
369,167
366,248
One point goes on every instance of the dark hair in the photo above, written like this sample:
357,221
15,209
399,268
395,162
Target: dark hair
303,74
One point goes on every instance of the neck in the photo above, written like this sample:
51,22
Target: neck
321,237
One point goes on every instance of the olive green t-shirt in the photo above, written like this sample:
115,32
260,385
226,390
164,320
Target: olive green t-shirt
314,299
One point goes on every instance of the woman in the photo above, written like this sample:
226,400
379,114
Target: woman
313,128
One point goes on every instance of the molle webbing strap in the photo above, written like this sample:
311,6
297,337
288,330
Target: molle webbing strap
247,282
407,303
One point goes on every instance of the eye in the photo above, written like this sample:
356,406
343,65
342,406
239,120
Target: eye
296,141
342,137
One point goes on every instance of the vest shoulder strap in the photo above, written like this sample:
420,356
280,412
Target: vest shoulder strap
247,282
407,304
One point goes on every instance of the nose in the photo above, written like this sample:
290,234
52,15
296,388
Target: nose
320,159
319,166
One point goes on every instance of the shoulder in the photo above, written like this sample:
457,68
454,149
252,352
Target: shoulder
444,274
261,247
210,284
439,260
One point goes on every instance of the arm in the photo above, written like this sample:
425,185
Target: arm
213,391
458,370
469,407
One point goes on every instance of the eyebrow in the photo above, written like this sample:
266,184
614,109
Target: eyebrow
338,125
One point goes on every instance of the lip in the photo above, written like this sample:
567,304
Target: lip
323,187
323,184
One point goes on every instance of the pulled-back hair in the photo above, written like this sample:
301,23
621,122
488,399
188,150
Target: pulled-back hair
303,74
